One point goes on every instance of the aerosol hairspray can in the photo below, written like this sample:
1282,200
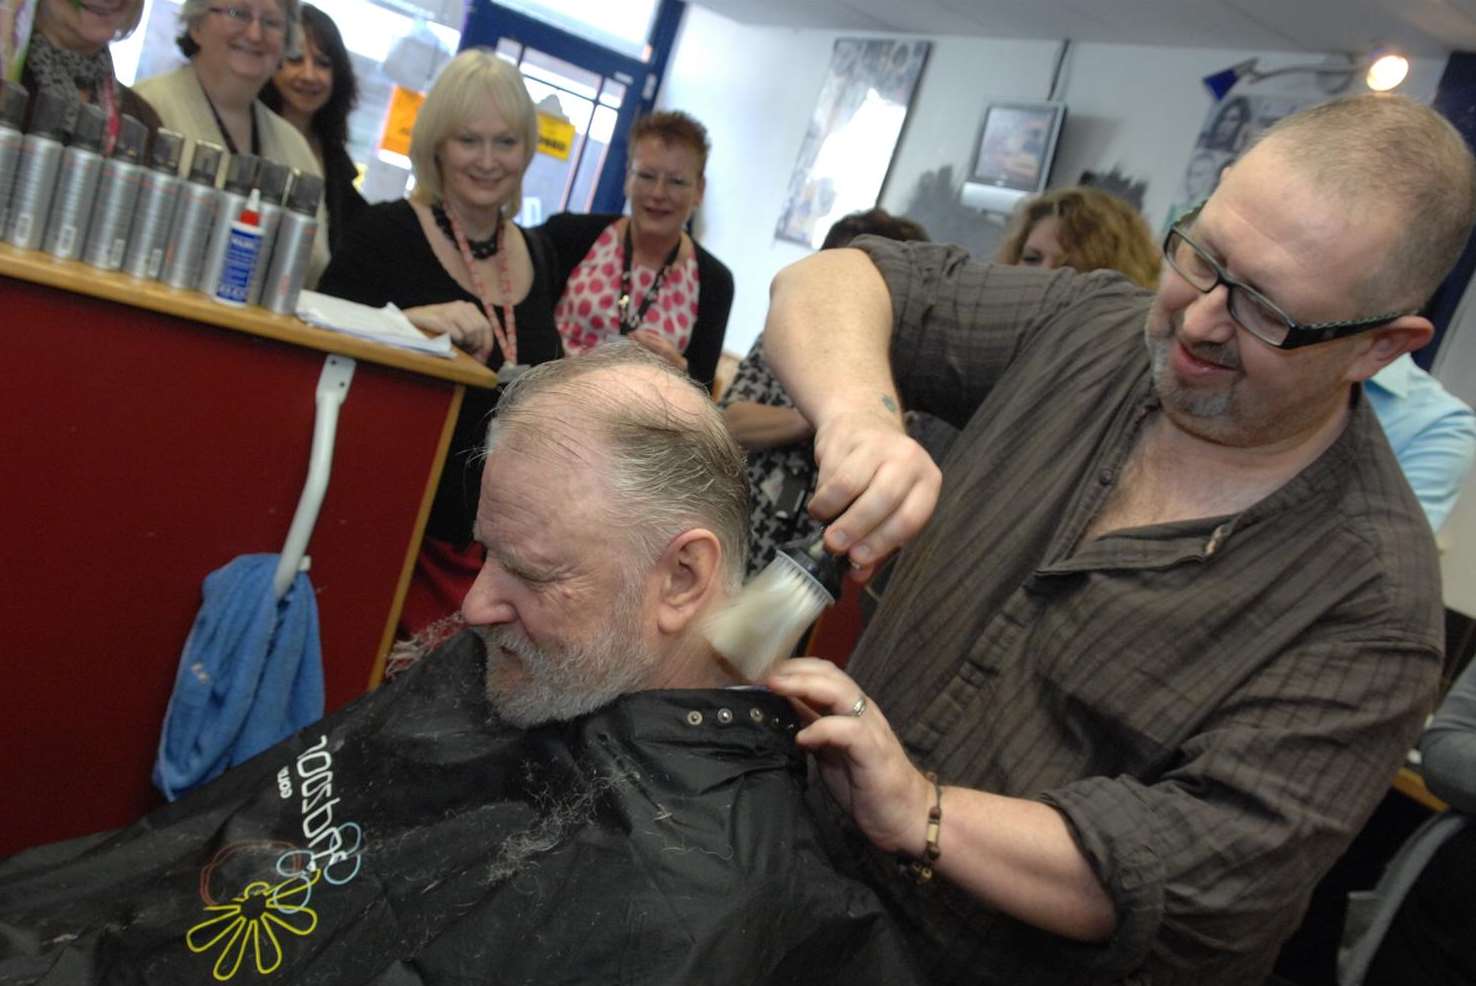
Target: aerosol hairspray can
157,194
240,179
294,247
117,196
76,190
189,235
12,111
35,178
272,183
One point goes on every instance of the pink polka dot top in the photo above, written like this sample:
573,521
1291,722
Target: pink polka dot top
588,313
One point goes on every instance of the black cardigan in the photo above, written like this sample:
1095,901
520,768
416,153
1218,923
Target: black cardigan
572,236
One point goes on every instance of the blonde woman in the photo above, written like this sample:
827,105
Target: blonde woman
454,261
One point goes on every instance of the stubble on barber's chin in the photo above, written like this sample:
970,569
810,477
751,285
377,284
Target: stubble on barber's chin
1176,398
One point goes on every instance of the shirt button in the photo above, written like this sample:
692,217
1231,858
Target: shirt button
1105,478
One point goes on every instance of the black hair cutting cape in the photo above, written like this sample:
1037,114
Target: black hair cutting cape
411,839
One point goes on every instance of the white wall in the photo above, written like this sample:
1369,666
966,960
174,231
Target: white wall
1135,107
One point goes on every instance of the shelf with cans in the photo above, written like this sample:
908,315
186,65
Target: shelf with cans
248,243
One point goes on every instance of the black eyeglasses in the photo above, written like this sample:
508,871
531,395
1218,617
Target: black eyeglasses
1250,309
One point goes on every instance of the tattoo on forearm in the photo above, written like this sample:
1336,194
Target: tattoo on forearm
889,404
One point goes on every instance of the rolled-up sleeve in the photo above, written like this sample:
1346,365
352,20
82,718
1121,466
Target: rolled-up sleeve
958,323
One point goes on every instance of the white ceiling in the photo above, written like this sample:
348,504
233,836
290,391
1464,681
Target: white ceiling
1421,27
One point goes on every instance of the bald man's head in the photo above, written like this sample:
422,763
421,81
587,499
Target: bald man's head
656,439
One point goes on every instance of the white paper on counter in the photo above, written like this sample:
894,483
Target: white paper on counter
387,325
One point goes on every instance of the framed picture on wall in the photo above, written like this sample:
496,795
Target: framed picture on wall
1016,144
853,132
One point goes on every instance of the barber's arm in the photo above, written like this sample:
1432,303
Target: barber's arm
1015,855
827,338
1202,867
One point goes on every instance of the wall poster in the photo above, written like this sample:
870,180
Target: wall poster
852,135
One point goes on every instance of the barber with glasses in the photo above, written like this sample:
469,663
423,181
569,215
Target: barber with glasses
643,275
234,47
1175,615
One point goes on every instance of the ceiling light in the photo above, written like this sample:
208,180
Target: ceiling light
1387,71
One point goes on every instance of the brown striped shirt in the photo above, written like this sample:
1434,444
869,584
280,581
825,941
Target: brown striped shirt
1214,705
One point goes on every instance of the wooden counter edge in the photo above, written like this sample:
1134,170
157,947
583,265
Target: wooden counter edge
79,278
412,550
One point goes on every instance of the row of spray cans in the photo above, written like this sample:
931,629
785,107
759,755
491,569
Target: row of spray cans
245,244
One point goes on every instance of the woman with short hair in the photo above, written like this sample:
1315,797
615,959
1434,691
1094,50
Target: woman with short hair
643,275
233,47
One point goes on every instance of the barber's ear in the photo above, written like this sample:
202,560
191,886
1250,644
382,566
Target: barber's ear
688,571
1384,345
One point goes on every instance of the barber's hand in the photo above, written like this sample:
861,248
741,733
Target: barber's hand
886,484
656,342
463,321
860,759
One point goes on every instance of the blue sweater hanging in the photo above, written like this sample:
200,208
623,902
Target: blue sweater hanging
251,674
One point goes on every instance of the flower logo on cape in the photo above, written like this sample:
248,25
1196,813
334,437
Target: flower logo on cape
251,922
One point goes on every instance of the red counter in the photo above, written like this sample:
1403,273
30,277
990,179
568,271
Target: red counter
149,436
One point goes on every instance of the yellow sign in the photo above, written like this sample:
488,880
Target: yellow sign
404,105
555,136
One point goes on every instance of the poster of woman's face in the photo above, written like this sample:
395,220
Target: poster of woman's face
1230,127
1227,129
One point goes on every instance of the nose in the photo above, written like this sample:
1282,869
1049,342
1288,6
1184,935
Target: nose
312,70
253,28
1207,317
486,602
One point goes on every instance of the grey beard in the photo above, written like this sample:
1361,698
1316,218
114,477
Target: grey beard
566,681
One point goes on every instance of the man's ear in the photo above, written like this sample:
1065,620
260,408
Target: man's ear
1384,345
686,574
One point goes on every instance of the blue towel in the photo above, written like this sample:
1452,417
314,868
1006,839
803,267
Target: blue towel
251,675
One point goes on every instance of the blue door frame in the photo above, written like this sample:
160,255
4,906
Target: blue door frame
488,22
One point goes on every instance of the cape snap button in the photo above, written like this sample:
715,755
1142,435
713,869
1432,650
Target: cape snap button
724,716
694,718
755,715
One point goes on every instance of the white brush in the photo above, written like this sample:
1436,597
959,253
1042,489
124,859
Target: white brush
765,620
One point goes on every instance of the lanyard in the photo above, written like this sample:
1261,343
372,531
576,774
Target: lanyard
628,324
506,340
107,95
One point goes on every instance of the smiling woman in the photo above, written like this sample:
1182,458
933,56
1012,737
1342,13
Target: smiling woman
68,56
234,47
455,262
314,90
643,275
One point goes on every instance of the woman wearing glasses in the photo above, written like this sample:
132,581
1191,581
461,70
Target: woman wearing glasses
68,57
234,47
642,275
